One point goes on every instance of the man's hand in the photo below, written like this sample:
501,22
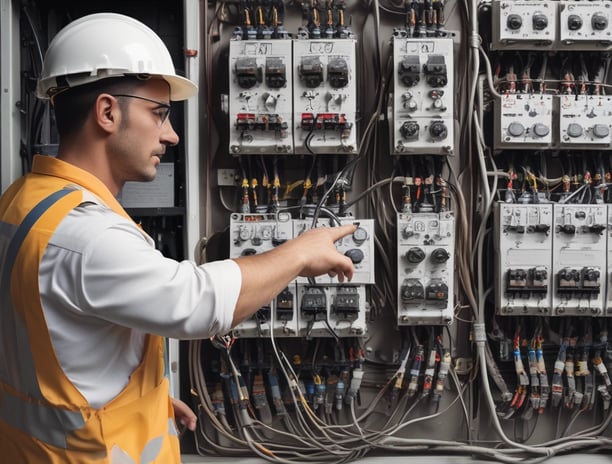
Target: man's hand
316,247
183,414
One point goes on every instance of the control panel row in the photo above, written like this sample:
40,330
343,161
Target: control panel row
569,25
308,307
553,121
553,259
293,97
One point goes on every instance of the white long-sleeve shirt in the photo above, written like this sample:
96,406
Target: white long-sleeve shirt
104,286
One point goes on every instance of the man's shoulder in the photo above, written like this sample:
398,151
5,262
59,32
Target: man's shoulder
86,223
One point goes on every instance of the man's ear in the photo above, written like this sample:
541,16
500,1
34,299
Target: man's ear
107,112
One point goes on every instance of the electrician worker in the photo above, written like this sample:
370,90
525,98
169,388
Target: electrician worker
85,297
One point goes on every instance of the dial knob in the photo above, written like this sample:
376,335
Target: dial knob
515,129
574,130
514,22
540,21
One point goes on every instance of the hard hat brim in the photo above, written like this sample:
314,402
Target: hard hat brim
180,88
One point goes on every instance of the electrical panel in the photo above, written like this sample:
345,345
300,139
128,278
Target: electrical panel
585,24
425,268
579,259
423,96
257,233
523,120
524,24
260,96
359,247
324,96
523,238
585,121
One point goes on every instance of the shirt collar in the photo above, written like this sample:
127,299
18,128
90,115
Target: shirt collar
50,166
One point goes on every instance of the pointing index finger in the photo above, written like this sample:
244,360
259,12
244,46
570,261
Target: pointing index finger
341,231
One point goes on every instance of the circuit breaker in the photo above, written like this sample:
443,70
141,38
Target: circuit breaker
331,311
585,24
528,25
359,247
579,259
325,96
523,120
423,95
253,234
523,259
425,268
585,121
260,96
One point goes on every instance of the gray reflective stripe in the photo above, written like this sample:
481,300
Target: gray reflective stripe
172,428
149,454
118,456
47,423
151,450
18,363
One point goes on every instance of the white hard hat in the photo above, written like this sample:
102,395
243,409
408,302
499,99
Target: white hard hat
104,45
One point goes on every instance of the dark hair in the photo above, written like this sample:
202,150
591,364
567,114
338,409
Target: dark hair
72,106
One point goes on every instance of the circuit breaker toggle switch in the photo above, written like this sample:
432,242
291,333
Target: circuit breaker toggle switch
569,279
517,279
248,74
311,71
435,71
338,73
346,303
276,73
284,305
590,279
409,71
314,304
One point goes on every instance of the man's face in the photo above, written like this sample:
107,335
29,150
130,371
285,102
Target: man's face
144,133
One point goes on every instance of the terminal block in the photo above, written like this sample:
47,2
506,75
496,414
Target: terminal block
579,259
523,258
261,120
425,265
423,96
332,311
324,96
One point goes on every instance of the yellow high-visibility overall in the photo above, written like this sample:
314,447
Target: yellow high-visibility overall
43,417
